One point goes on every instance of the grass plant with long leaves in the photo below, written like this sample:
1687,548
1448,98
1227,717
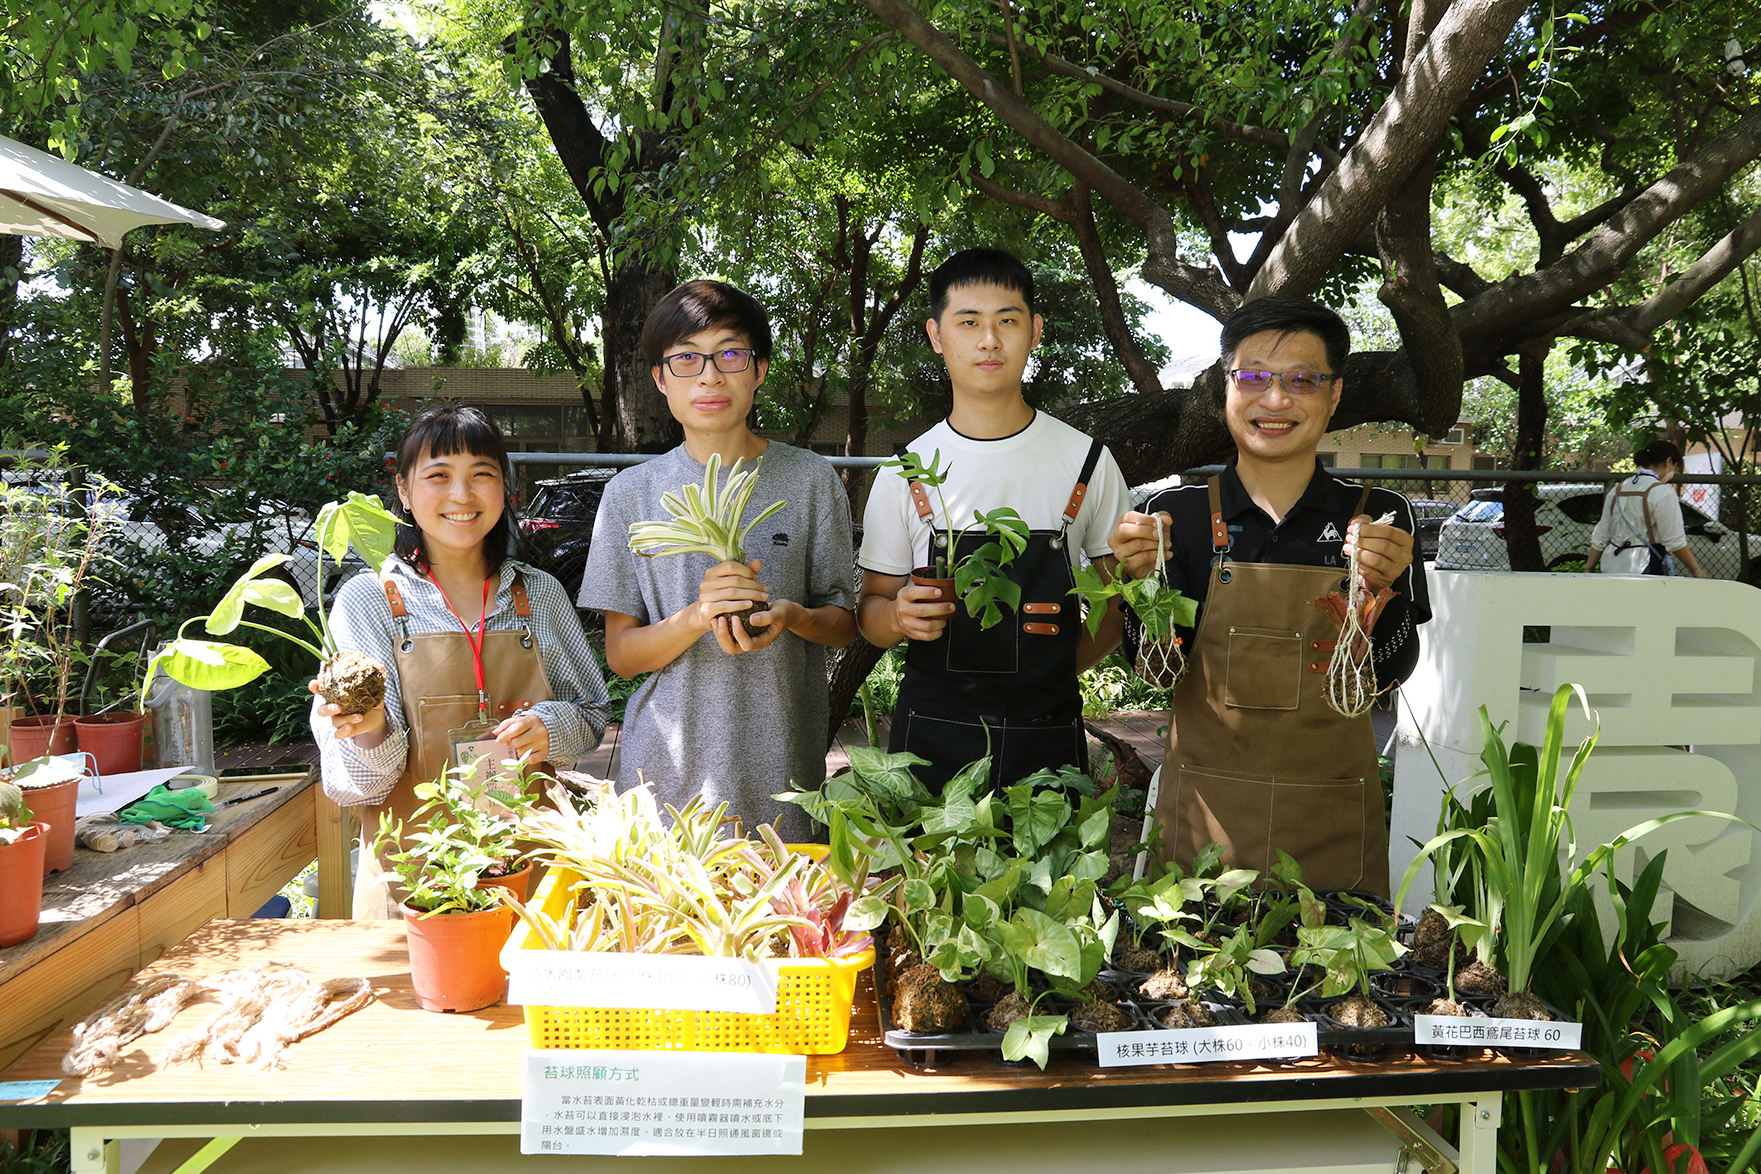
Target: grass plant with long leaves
705,520
688,887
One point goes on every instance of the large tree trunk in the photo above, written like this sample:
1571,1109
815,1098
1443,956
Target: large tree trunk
1531,430
645,421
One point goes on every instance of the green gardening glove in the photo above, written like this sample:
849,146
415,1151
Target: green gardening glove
186,809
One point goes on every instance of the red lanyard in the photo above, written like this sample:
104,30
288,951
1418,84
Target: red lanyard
476,645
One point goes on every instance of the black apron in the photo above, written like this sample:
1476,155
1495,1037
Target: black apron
1008,691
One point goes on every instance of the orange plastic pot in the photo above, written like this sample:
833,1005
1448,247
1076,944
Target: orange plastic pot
113,740
53,808
519,883
455,958
925,577
33,737
21,887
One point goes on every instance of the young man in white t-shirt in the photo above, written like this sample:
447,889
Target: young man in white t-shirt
1010,690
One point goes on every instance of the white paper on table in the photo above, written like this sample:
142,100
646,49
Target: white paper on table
668,982
119,789
634,1104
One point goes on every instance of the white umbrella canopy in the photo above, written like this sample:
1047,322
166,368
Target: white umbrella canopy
41,195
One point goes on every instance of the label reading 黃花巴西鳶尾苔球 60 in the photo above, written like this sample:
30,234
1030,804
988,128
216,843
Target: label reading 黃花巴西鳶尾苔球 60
1451,1030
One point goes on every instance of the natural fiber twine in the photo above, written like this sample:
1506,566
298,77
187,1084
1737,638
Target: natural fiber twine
1351,682
1160,662
262,1010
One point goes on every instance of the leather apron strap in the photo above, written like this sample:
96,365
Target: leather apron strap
1256,759
439,688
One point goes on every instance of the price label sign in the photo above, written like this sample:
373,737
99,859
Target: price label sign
669,982
1207,1045
1497,1033
640,1104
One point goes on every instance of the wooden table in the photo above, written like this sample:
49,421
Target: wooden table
393,1072
110,914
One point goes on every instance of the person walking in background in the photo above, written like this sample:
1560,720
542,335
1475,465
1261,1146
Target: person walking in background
1641,524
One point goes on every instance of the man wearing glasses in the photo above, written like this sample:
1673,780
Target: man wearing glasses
728,714
1256,757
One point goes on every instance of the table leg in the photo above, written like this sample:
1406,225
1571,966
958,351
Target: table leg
336,832
1477,1137
92,1153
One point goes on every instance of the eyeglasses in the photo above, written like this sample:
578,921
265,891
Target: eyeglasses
1293,382
727,361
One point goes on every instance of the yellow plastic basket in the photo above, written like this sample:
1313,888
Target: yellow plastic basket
812,1016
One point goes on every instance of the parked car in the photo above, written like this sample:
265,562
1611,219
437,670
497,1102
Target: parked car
1429,517
1565,515
558,525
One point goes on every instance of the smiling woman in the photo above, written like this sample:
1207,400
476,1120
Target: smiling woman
477,646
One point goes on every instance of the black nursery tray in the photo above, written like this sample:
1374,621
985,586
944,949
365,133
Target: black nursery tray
937,1049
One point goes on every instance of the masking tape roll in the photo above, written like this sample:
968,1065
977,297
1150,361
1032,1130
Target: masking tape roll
207,784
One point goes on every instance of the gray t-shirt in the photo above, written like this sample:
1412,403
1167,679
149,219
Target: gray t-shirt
738,729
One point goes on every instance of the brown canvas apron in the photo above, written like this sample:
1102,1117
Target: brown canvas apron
439,685
1256,759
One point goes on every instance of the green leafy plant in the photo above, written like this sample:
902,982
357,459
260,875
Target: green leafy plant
360,521
51,542
465,829
978,575
1348,953
15,813
1160,607
706,520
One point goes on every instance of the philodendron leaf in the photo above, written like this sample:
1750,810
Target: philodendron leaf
247,589
1036,818
916,895
865,914
1265,962
1030,1037
1045,943
362,520
207,664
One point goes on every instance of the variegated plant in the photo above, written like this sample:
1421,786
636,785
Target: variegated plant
688,888
705,520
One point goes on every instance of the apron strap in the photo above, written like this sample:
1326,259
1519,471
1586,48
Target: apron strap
399,613
1363,501
1219,531
1644,496
522,605
919,498
1074,506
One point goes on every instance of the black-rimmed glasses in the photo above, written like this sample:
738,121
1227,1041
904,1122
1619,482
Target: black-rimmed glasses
727,360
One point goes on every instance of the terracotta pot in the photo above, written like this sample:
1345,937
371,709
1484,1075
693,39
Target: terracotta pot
33,737
455,958
925,577
520,883
52,807
113,739
21,887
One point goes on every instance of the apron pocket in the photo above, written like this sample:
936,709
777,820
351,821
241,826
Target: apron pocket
435,718
1264,669
1320,822
971,649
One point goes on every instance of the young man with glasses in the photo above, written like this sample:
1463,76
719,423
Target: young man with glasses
732,716
1256,757
1010,690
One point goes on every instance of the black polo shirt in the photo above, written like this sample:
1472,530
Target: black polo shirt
1310,535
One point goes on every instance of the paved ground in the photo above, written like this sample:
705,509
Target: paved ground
1140,728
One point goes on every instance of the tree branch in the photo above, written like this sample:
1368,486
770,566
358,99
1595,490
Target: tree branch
1607,251
1144,376
1402,134
1712,267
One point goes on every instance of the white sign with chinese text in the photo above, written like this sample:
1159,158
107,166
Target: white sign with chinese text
1672,668
643,1104
1205,1045
667,982
1510,1033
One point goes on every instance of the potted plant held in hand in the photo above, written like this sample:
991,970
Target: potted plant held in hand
707,521
454,861
1158,607
977,577
350,680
